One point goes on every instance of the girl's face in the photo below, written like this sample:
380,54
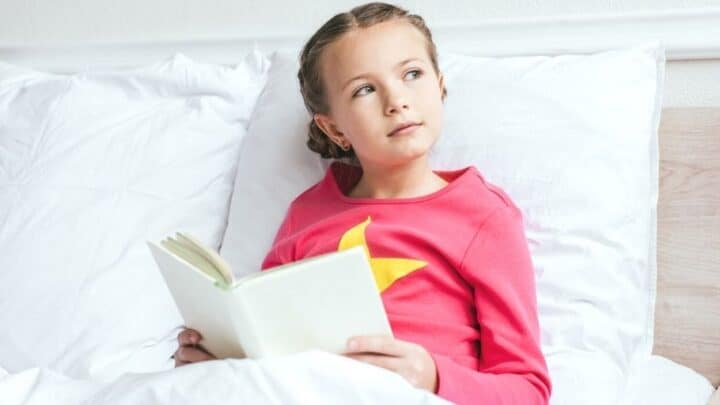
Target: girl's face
376,79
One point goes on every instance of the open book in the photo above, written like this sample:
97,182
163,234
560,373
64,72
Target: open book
315,303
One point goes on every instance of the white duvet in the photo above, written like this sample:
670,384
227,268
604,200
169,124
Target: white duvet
312,377
316,377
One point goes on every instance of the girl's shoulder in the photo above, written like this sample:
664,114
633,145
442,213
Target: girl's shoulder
486,197
471,180
496,190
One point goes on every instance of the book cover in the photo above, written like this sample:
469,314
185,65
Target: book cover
315,303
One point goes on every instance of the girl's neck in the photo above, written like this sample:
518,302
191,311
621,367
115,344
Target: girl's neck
413,179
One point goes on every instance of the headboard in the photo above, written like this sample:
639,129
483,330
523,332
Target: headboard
687,315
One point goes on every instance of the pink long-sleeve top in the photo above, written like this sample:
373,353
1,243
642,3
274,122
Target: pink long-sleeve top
454,272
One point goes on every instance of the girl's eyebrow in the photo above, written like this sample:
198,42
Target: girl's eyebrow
365,74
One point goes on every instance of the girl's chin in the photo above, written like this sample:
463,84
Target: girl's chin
407,156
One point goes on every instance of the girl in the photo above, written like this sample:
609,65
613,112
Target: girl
447,248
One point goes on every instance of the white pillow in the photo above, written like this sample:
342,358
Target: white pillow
273,168
572,139
93,165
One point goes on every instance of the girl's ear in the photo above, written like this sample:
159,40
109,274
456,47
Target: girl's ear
441,83
327,125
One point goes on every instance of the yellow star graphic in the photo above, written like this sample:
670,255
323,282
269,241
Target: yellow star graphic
386,270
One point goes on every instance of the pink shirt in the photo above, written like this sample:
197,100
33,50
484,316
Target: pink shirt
457,276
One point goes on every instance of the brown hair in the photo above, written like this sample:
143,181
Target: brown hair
311,86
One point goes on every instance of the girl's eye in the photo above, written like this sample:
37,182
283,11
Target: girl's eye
417,72
358,92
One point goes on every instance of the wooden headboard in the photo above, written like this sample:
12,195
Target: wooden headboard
687,311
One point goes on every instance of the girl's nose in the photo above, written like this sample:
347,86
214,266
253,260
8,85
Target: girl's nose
395,105
396,101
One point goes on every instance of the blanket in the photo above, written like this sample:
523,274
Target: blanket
312,377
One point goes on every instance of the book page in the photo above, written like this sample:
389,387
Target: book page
193,258
209,254
314,304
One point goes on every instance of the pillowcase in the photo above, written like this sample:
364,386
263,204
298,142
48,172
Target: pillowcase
92,165
572,139
274,167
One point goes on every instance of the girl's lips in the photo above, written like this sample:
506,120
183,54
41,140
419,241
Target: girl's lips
405,130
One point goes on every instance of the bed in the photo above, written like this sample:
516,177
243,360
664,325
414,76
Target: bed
684,368
689,245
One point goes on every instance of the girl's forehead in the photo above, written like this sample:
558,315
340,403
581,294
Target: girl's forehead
378,47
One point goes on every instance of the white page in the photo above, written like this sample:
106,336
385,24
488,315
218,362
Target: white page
317,303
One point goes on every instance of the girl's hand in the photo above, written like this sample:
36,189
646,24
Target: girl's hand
189,351
408,359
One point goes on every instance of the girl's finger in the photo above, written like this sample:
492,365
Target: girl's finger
378,344
188,337
178,361
379,360
394,364
191,355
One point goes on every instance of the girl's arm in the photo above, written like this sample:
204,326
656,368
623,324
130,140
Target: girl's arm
512,367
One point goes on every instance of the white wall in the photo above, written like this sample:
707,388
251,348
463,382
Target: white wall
46,22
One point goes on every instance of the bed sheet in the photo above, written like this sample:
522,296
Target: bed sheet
656,380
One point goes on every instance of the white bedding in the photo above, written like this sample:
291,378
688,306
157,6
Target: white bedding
657,380
312,377
92,337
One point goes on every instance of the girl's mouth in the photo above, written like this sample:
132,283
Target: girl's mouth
406,129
